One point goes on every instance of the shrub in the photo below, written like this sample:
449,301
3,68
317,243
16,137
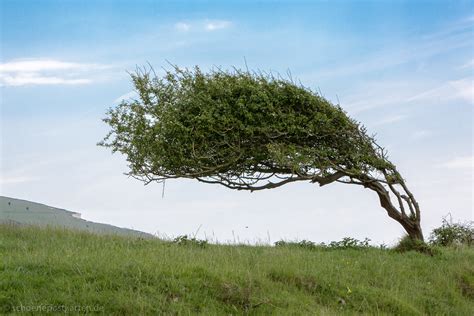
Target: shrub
450,233
184,240
349,243
299,244
345,243
409,244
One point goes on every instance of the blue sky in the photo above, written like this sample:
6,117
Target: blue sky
403,68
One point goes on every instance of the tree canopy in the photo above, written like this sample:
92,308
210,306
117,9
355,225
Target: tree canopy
250,131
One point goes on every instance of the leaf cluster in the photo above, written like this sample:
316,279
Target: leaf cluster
345,243
450,233
238,127
185,240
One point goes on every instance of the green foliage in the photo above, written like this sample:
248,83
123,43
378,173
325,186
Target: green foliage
349,243
234,125
450,233
184,240
345,243
305,244
249,131
409,244
133,276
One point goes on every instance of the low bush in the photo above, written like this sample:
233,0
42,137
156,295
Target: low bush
450,233
408,244
184,240
345,243
349,243
306,244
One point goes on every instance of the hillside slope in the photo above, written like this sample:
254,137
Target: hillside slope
64,270
22,212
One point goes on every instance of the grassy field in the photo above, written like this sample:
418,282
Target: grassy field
60,270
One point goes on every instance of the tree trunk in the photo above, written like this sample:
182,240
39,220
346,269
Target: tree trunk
411,224
413,228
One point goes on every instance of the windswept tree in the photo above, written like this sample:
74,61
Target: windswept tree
250,131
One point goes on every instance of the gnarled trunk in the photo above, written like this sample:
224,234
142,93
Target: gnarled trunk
405,211
411,222
413,228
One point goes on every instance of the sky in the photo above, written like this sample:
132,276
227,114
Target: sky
404,69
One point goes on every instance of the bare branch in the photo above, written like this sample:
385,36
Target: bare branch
251,188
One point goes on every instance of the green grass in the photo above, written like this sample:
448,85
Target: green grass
53,268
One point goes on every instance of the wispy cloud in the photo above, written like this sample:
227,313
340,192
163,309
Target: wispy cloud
389,120
450,86
454,36
466,162
376,94
22,79
455,89
206,25
182,26
126,96
32,65
468,65
45,72
217,25
464,89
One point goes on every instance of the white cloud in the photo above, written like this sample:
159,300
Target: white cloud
126,96
44,72
453,37
206,25
466,162
182,26
389,120
409,91
377,94
34,65
217,25
455,89
464,89
22,79
468,65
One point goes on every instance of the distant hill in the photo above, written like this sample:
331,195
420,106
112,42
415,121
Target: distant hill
21,212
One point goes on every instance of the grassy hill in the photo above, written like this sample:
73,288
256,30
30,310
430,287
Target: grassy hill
21,212
65,270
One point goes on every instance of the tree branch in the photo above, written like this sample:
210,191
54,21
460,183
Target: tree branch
328,179
251,188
